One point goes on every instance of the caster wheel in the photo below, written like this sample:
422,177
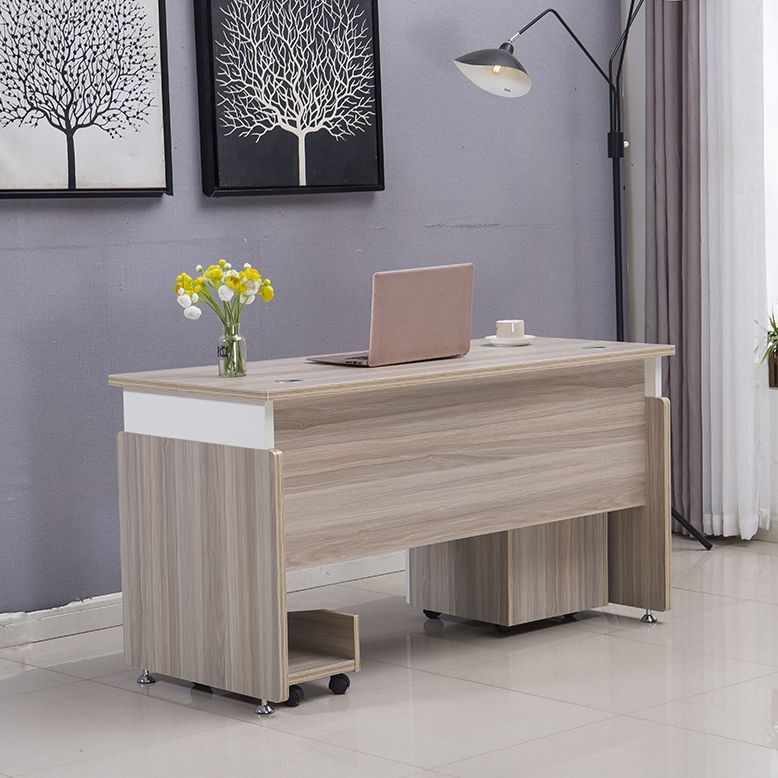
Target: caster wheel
339,684
432,614
201,687
296,696
502,629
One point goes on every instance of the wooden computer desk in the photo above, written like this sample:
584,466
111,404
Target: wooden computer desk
527,482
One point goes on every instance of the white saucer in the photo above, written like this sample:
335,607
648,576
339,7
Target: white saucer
495,341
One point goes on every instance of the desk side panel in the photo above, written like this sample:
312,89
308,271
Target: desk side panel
381,471
639,549
202,563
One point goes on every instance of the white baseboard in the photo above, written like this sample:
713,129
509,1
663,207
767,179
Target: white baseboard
343,572
106,611
81,616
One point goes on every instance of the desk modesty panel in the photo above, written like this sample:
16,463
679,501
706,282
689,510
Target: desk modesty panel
408,455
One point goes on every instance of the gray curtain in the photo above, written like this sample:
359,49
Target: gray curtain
673,266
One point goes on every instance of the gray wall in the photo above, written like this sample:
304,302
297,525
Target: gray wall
519,187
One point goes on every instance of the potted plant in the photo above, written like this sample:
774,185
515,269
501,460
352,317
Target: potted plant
770,354
227,293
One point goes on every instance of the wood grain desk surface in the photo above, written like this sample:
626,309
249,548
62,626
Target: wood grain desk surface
267,380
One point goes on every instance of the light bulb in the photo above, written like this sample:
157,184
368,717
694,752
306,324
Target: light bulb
496,68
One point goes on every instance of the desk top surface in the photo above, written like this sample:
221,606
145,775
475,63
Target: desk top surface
270,380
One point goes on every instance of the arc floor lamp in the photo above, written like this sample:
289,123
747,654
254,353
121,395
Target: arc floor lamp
500,73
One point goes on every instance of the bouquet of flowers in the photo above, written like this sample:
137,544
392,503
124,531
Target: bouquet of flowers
227,292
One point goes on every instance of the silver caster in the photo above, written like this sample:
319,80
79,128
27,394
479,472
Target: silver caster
264,708
146,678
648,617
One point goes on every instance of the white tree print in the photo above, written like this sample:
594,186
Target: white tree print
75,64
304,66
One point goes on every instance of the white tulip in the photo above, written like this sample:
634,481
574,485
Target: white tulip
228,266
252,287
247,299
193,313
247,266
230,272
184,300
225,294
195,298
199,268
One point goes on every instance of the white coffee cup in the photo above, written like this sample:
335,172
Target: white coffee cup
510,328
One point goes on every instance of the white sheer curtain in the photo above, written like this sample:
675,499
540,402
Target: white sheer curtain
771,204
736,401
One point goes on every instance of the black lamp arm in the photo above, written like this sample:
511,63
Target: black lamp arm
620,50
621,45
564,24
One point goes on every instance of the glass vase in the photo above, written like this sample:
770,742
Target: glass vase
232,352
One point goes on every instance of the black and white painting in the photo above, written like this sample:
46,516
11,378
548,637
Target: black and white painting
83,98
289,96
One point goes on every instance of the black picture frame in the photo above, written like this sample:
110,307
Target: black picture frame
167,189
213,181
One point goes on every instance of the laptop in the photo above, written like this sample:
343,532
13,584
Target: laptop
420,314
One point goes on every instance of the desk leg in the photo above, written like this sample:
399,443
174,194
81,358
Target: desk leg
639,538
203,570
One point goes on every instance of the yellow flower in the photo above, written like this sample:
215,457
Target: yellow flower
214,274
235,283
251,274
267,293
222,262
184,281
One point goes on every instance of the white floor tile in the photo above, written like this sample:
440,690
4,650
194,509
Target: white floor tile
441,645
746,630
610,673
446,697
20,679
623,748
432,720
612,618
88,655
759,547
746,711
67,723
731,572
373,676
422,651
230,752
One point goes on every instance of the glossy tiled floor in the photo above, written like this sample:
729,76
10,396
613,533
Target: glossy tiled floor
695,695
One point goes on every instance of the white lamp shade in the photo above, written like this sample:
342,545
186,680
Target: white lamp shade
495,71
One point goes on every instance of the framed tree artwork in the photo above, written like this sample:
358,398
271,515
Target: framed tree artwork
290,97
83,98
